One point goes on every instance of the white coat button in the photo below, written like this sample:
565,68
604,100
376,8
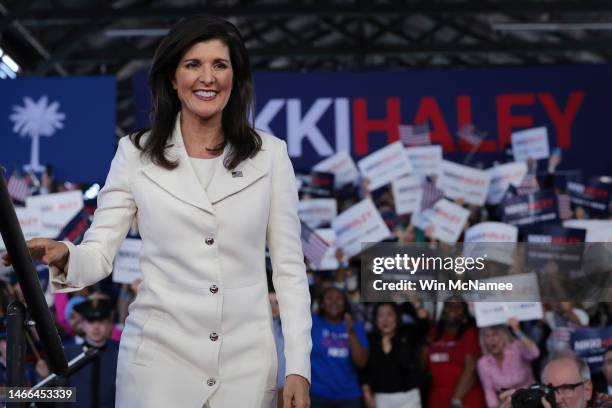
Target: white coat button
211,382
214,289
209,240
213,336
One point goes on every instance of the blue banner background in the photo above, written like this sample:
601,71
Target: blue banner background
82,150
590,144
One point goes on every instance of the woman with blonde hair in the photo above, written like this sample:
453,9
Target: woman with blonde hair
506,362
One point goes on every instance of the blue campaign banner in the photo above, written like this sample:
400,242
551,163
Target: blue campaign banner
66,122
553,235
539,207
320,113
594,197
590,345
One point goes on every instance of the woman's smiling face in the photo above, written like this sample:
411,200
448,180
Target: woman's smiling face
203,80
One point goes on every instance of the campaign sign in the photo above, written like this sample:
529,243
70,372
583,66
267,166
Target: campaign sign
502,177
448,220
594,197
530,143
329,260
57,210
317,211
489,311
407,194
342,166
385,165
491,232
319,184
358,224
590,344
539,207
459,181
478,236
76,228
422,219
553,234
127,261
425,160
320,113
494,313
30,221
555,243
596,230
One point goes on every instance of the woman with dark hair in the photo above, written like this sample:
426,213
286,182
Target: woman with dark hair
393,374
339,348
452,353
207,191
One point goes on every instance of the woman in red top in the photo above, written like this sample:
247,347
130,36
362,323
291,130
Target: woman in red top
451,356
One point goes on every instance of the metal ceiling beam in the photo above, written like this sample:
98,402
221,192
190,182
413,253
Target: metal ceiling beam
343,29
470,28
70,43
349,50
393,27
33,41
14,14
289,9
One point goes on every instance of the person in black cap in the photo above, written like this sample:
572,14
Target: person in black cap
98,322
95,383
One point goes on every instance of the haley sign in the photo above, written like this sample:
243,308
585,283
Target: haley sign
322,113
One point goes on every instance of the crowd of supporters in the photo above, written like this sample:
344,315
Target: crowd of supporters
406,353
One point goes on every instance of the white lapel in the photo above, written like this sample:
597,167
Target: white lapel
182,181
228,182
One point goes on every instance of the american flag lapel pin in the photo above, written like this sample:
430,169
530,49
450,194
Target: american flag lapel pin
237,173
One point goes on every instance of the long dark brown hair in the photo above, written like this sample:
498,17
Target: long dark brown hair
396,312
237,130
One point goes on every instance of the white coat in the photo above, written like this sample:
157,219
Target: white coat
200,329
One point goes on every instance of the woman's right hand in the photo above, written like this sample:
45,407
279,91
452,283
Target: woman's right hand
47,251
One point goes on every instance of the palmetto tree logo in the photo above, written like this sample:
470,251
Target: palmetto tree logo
36,119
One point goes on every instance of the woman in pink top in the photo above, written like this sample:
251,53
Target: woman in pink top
506,362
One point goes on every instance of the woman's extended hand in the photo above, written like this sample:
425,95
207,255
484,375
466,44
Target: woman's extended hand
47,251
295,392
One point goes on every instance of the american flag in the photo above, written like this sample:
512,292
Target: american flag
471,134
431,195
414,135
18,187
565,207
313,245
528,185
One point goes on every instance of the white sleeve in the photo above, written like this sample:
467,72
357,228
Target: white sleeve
92,260
288,268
